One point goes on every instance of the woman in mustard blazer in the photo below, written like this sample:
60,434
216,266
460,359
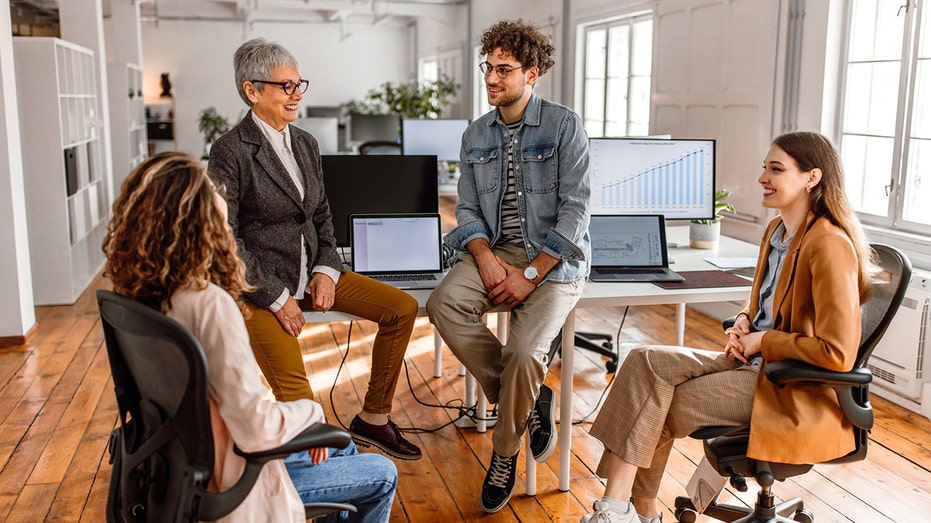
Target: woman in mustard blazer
811,277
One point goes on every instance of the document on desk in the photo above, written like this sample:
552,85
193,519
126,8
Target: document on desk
732,263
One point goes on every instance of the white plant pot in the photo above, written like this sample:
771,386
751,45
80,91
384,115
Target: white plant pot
703,236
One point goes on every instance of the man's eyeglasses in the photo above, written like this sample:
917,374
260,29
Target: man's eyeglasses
501,70
287,86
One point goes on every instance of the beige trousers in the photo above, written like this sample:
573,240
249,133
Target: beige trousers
510,374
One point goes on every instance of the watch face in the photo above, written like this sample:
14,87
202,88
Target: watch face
531,272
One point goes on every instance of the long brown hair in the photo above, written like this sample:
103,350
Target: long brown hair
168,233
828,198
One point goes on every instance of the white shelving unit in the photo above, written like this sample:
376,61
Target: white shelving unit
127,121
66,195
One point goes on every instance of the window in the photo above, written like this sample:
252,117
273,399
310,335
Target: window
885,113
617,65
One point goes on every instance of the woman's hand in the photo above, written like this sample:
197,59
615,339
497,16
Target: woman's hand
291,317
318,455
743,347
322,292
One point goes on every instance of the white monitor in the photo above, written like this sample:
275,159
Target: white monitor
441,136
325,130
674,178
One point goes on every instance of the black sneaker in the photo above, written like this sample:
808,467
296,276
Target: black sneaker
541,425
499,482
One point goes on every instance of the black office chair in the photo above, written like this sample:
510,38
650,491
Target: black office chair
162,452
380,147
589,341
726,447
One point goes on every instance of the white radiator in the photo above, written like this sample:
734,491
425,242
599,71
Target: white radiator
900,362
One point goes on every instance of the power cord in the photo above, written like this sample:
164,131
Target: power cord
617,341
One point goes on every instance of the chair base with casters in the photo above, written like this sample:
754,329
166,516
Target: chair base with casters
589,341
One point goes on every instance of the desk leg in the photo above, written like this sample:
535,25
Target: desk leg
437,354
565,400
680,324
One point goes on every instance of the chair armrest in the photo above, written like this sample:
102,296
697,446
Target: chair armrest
315,436
797,372
727,323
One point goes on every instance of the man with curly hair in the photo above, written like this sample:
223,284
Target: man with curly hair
521,241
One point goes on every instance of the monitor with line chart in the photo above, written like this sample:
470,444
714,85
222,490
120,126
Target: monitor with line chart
674,178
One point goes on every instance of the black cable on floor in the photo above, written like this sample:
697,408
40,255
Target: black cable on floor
617,346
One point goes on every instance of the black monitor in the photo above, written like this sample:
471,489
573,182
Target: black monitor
374,127
361,184
673,177
440,136
324,111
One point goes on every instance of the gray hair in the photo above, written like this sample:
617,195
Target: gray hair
257,59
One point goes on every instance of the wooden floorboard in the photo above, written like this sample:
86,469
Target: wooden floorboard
57,409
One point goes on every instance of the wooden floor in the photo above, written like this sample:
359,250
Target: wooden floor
57,409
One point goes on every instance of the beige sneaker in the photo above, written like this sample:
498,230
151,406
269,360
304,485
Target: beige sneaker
603,514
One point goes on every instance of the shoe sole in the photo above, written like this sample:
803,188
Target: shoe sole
492,510
548,451
366,442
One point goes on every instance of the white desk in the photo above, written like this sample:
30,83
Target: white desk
610,295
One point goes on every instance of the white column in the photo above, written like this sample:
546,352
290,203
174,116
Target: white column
82,23
125,32
17,311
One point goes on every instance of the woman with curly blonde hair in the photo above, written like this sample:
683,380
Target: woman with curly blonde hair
170,247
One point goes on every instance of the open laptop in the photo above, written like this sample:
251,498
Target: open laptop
630,247
403,250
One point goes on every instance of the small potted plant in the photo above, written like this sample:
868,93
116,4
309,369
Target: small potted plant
704,234
213,125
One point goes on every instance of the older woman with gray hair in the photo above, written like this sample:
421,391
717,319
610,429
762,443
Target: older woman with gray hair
278,210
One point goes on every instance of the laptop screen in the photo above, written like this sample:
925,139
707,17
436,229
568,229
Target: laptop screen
396,243
628,240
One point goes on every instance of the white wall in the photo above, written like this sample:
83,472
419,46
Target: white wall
199,58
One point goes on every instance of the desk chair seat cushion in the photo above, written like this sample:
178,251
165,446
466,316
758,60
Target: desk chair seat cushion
247,414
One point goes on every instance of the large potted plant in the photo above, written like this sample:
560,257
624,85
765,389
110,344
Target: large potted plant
213,125
410,100
704,234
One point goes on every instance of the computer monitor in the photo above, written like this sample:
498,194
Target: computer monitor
440,136
374,127
324,111
360,184
325,130
673,177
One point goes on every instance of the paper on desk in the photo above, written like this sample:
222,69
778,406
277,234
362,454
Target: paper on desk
732,263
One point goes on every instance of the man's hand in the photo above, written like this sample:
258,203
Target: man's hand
291,317
322,292
514,289
318,455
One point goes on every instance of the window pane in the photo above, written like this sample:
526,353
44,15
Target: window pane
917,189
640,103
867,167
871,98
595,53
876,30
616,113
642,44
594,127
619,52
921,109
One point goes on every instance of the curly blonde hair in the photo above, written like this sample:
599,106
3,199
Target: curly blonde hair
169,233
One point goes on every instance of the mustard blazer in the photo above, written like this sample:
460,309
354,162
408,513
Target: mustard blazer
816,320
266,211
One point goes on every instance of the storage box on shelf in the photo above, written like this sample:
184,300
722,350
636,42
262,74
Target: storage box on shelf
66,193
127,120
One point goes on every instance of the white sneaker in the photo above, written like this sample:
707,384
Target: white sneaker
603,514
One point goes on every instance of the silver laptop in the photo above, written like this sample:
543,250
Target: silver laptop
628,247
403,250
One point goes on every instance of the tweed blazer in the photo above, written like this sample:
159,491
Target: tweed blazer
816,318
266,211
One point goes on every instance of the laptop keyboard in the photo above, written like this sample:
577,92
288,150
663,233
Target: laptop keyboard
629,271
402,277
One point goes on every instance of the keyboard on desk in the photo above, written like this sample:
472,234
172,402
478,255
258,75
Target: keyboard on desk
628,271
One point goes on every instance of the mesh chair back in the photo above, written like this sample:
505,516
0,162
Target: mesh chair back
888,290
164,445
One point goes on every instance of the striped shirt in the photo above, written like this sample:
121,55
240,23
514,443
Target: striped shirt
510,219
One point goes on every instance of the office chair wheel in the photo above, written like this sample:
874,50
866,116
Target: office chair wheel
686,515
804,516
611,366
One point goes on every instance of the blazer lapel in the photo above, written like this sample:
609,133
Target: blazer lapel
302,155
268,159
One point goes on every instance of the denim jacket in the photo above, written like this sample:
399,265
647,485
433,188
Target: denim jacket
553,180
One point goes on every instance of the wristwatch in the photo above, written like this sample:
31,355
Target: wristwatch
532,274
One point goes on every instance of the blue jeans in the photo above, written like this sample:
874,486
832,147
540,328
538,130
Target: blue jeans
368,481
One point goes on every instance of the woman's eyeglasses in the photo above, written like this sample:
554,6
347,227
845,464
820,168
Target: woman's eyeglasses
287,86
